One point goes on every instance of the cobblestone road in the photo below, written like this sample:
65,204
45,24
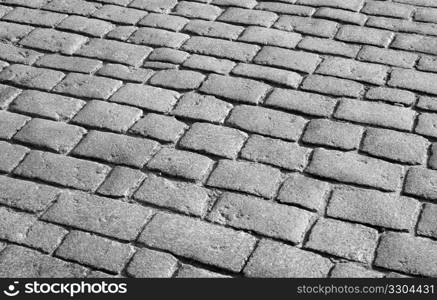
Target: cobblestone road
218,138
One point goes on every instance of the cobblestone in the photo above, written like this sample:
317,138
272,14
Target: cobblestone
351,241
277,221
361,169
98,214
199,240
272,259
218,138
56,136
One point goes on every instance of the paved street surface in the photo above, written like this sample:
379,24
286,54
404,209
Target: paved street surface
218,138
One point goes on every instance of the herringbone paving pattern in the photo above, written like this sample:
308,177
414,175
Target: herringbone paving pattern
218,138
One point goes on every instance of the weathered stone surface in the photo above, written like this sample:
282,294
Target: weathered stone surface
195,239
98,214
273,259
10,156
152,264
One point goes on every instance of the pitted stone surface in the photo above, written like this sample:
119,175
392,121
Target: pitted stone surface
218,138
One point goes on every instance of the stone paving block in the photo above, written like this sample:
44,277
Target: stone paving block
12,32
317,27
187,271
168,55
214,29
116,148
169,22
415,42
77,7
391,95
352,241
426,124
93,27
353,5
421,182
10,156
378,114
14,225
427,225
202,108
180,163
122,32
289,59
353,270
31,77
208,63
158,65
355,168
59,169
20,262
364,35
4,10
111,116
158,38
272,37
148,97
427,63
196,239
54,41
95,251
115,51
390,57
81,85
126,73
285,8
102,215
275,152
277,260
185,197
351,69
26,195
67,63
332,86
237,3
405,253
373,208
14,54
33,4
274,75
45,236
235,88
161,6
117,14
341,15
177,79
213,139
427,103
328,46
264,180
11,123
401,147
307,103
248,17
254,214
426,15
414,80
163,128
148,263
121,182
267,122
34,17
51,106
388,9
329,133
57,136
221,48
400,25
7,95
197,10
304,191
